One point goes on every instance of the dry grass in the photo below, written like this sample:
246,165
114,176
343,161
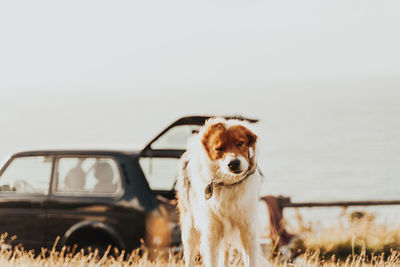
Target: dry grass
358,241
19,257
355,233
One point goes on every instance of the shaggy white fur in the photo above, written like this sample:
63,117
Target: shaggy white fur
229,216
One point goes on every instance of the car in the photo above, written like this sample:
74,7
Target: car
96,198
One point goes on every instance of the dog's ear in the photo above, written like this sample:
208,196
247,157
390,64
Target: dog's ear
208,133
251,137
243,131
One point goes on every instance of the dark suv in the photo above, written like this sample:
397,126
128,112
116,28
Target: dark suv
95,198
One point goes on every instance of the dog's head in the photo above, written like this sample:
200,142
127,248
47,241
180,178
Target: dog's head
230,146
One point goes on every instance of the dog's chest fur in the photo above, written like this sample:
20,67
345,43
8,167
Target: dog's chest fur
232,206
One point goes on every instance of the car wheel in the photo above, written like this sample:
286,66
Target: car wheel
90,241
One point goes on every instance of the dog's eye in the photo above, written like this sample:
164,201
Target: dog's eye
240,144
220,148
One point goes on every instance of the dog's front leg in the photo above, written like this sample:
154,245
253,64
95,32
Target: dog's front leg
223,256
211,237
249,243
210,250
190,239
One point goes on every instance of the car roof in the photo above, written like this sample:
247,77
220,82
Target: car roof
94,152
195,120
199,120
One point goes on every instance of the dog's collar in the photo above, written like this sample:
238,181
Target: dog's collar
208,192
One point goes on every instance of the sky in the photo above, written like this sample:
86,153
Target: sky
319,74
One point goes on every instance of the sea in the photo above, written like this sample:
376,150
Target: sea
342,149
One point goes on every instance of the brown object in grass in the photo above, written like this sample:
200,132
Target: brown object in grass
276,228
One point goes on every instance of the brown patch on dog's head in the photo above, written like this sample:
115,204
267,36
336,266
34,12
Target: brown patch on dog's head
214,140
220,141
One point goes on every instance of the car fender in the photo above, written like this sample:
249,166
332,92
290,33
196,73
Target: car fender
95,225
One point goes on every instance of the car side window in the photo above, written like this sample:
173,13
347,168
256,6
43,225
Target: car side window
27,175
87,175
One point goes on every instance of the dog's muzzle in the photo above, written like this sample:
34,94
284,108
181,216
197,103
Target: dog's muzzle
234,166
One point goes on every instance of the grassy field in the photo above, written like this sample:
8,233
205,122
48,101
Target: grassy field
353,233
356,240
19,257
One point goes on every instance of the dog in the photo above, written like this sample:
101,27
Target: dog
217,191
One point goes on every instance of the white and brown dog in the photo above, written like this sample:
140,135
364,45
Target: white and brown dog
218,189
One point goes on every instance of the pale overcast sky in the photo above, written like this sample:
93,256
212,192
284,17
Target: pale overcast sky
131,45
320,74
122,60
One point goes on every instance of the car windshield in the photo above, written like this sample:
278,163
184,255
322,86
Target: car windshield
161,173
27,175
176,137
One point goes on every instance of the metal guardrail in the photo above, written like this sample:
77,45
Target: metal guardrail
285,202
276,205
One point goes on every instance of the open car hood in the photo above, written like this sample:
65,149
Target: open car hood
190,120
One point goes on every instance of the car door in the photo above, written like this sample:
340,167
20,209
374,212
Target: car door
85,193
24,187
159,159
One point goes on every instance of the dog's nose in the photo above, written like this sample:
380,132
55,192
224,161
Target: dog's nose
234,165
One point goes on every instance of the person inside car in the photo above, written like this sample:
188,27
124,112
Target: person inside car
75,180
104,175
